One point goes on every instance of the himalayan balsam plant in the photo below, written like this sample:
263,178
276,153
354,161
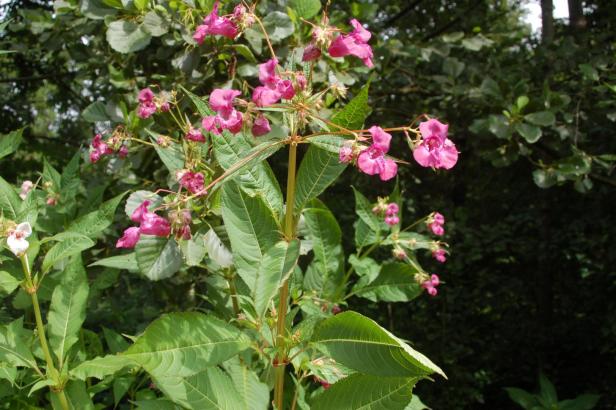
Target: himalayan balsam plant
276,331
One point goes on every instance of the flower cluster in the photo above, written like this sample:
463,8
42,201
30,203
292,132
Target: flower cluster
390,210
440,255
435,223
149,103
192,181
100,148
430,285
372,160
227,117
435,149
273,88
149,224
226,26
354,43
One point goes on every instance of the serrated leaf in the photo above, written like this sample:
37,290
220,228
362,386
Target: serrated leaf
158,258
14,346
361,344
127,37
365,392
70,246
363,208
254,394
95,222
306,8
251,227
172,155
99,367
95,112
194,249
395,283
67,310
127,261
184,344
155,24
10,202
278,263
8,283
10,142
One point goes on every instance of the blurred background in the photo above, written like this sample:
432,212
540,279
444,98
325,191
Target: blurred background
528,89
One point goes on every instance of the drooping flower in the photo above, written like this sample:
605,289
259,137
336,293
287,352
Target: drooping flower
227,117
372,160
435,149
99,148
221,100
123,151
152,224
311,52
354,43
140,211
440,255
260,126
147,106
145,95
193,182
392,220
431,284
435,223
392,209
194,134
273,87
26,187
242,17
215,25
129,239
16,239
346,153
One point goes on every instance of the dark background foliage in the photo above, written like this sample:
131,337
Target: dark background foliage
530,285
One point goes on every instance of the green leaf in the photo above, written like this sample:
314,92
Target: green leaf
172,155
353,115
127,261
67,310
531,133
395,283
306,8
77,396
70,246
10,142
522,397
416,404
96,9
251,227
95,112
522,102
582,402
136,198
363,208
330,143
194,249
14,345
155,24
140,4
589,72
99,367
10,202
453,67
547,392
253,393
95,222
361,344
365,392
127,37
278,263
326,236
158,258
184,344
544,178
8,283
278,26
542,118
364,235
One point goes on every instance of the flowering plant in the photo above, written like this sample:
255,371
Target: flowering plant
279,283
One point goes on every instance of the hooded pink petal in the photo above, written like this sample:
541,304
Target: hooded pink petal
129,239
433,127
285,88
311,52
265,96
380,138
359,32
152,224
260,126
146,95
389,169
141,210
194,134
221,100
215,25
370,161
267,73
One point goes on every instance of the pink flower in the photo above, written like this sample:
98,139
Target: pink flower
437,229
267,73
260,126
194,134
431,284
311,52
285,88
123,151
215,25
26,187
217,123
392,209
439,255
438,218
100,148
346,154
435,150
265,96
140,211
372,160
435,223
146,110
129,239
392,220
241,16
193,182
300,78
274,88
221,100
152,224
146,95
354,43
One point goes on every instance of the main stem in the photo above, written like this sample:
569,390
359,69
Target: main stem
51,369
289,232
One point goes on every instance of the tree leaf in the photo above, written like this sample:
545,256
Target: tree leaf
361,344
158,258
278,263
251,227
395,283
67,310
184,344
70,246
10,142
95,222
127,37
306,8
8,283
365,392
542,118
